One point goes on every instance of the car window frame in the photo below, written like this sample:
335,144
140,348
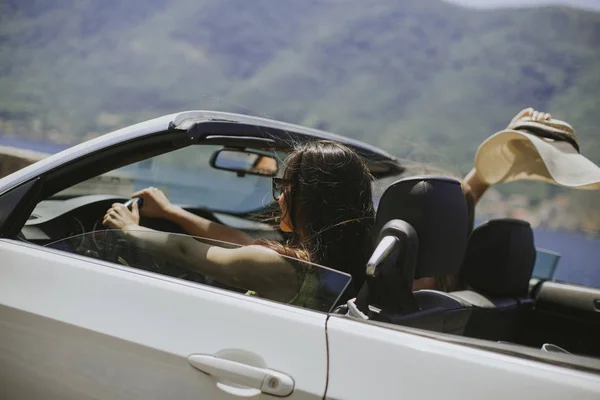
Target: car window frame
87,166
84,167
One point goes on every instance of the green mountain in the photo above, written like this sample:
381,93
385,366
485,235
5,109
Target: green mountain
425,79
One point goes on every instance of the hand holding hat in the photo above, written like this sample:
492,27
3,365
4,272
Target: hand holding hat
536,147
529,114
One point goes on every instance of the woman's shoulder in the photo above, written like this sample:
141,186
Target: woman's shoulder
255,251
259,255
253,248
283,250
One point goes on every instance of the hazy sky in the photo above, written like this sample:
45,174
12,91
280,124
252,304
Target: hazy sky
591,4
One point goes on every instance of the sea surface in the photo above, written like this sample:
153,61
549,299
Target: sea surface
580,256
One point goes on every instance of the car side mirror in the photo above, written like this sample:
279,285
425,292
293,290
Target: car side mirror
244,162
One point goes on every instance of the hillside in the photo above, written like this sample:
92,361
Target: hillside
425,79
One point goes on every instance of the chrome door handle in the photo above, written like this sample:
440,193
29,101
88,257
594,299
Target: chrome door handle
261,379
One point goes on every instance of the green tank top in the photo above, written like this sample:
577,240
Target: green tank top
306,296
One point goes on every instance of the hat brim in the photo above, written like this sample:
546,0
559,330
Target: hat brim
511,155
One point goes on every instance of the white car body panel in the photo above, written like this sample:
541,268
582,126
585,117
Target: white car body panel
89,329
81,328
371,362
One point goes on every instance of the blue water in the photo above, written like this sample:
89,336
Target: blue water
31,144
580,256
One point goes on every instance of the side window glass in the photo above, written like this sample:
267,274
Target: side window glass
320,287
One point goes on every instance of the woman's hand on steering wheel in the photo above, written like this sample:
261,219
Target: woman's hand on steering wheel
156,204
119,216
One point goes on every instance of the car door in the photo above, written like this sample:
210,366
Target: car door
77,327
370,360
566,314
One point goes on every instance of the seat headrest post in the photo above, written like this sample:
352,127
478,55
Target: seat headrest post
383,250
398,243
390,271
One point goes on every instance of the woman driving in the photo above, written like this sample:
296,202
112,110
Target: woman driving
326,204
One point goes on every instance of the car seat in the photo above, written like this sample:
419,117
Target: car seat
427,218
497,268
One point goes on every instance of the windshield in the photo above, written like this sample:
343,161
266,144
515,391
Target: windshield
187,178
318,288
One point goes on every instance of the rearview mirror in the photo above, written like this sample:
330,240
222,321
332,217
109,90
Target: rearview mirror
244,162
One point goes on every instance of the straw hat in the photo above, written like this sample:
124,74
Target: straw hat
536,147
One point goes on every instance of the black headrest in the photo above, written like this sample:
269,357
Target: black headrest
500,258
436,208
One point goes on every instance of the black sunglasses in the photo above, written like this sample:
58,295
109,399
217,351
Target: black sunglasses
278,185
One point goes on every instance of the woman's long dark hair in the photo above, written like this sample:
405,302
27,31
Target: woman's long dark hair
330,206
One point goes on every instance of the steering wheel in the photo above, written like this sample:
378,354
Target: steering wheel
129,203
121,251
114,246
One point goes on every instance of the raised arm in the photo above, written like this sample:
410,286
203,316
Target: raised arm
474,186
157,205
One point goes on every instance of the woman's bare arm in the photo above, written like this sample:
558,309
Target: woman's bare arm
250,267
157,205
474,184
202,227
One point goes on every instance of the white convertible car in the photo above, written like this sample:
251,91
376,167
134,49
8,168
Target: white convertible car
86,314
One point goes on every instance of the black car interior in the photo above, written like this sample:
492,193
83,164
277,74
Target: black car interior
435,209
549,315
495,263
496,270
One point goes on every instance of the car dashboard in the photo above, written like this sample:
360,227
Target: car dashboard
69,219
54,220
